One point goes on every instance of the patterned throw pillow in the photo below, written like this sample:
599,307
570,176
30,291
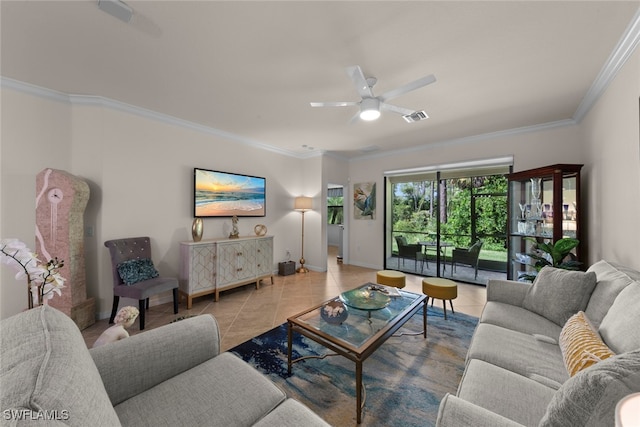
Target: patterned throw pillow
137,270
581,345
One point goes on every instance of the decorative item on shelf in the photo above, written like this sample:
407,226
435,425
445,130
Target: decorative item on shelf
43,280
334,312
124,319
302,204
556,255
234,233
536,203
196,229
260,229
523,210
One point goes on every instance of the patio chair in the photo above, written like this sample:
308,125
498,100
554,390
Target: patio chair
411,251
468,256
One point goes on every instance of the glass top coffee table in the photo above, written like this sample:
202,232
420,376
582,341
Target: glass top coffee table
362,330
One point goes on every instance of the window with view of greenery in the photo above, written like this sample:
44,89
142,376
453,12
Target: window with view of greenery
335,206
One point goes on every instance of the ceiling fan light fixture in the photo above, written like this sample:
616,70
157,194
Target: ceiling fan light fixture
369,109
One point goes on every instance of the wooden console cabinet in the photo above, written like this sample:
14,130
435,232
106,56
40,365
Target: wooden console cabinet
210,266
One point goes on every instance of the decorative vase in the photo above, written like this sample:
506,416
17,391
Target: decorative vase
334,312
536,187
196,229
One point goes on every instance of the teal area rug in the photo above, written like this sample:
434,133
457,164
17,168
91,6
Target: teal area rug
405,378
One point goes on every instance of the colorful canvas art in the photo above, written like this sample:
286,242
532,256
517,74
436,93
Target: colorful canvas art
364,200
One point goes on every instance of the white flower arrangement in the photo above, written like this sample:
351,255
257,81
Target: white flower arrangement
43,280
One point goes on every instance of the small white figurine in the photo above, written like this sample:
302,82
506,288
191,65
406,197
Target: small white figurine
124,319
235,233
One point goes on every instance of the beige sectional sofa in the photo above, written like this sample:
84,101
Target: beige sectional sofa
516,370
170,376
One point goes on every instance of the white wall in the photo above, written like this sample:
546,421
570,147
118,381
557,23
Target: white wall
140,175
530,150
35,135
611,136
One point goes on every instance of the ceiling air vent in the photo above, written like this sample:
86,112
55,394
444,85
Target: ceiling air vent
416,116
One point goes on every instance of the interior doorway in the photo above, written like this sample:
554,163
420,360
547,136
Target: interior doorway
335,221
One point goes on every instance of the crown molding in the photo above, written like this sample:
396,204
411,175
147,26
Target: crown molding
621,53
99,101
471,139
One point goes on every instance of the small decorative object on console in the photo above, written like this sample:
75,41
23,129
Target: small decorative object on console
260,229
234,233
334,312
196,229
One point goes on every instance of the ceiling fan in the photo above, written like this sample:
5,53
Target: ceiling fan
371,105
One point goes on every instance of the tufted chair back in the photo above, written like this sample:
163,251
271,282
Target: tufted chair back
122,250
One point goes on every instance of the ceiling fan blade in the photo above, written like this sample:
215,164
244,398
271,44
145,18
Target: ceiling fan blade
355,118
407,88
396,109
356,74
334,104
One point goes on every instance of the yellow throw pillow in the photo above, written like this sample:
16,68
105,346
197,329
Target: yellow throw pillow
581,345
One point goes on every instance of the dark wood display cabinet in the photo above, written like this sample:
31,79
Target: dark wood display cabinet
544,204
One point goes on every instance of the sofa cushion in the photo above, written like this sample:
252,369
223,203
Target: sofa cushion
610,281
291,413
223,391
581,345
619,328
523,354
504,392
519,319
558,294
46,366
590,397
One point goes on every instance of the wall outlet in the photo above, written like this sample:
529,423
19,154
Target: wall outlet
287,253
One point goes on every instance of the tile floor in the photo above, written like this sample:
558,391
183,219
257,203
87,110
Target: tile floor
245,312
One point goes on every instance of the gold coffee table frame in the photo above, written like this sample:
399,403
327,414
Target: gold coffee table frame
310,324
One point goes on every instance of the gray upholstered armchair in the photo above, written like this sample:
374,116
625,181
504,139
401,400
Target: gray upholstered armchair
469,256
134,275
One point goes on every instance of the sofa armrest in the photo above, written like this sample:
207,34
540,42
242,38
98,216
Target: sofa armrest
140,362
507,291
455,412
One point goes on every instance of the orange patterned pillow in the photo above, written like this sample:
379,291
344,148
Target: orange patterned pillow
581,345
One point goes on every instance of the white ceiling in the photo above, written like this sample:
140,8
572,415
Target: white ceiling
250,68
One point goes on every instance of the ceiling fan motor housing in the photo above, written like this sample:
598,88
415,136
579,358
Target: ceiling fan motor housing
369,109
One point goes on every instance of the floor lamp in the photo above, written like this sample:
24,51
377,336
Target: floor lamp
302,204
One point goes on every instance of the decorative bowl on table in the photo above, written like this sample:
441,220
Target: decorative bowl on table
365,298
334,312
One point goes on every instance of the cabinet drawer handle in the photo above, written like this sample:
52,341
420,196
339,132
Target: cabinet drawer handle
239,253
240,269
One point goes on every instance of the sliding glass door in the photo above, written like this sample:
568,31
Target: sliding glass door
449,223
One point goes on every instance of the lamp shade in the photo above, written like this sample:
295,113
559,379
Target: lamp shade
628,411
303,203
